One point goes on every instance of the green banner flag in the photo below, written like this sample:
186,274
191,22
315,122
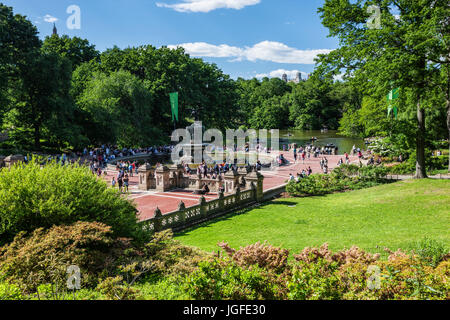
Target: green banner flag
394,94
393,109
174,105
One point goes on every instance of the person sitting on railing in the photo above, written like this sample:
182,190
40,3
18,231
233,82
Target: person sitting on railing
205,189
187,169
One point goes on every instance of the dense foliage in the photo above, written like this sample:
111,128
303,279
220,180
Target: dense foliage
409,50
32,197
343,178
312,104
34,266
165,269
61,93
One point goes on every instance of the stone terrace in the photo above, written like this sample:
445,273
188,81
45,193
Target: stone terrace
148,201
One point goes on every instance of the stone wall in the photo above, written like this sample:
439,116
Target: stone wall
164,179
203,211
250,193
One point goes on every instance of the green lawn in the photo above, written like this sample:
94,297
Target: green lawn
393,215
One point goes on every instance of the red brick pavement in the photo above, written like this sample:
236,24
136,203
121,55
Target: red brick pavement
147,202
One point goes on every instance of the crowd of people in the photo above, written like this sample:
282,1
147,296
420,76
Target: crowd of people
303,174
306,152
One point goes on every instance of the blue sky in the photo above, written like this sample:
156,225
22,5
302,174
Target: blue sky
245,38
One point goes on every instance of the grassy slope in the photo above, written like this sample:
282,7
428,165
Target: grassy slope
393,216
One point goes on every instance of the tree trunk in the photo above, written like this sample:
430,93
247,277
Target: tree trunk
448,127
37,135
420,162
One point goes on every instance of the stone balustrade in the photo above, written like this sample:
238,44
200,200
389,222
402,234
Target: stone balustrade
205,210
12,159
164,179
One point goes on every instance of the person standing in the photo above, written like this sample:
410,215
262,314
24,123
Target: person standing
126,182
130,169
120,183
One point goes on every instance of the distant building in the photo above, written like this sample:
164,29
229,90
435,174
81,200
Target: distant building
55,31
298,78
284,77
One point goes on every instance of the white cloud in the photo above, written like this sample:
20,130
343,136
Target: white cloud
203,49
265,51
291,74
208,5
50,19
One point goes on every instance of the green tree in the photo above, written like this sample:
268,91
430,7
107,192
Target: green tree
19,44
203,88
75,49
396,55
118,109
42,96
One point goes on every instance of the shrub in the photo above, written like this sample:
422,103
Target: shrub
222,279
323,274
263,255
43,257
167,288
342,178
171,258
409,166
352,255
10,292
315,281
32,197
429,251
114,288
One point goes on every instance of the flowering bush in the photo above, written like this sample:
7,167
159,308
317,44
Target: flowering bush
261,254
261,271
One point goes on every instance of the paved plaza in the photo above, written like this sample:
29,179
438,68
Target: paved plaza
148,201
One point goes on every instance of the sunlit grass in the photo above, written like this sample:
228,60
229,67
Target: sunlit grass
393,215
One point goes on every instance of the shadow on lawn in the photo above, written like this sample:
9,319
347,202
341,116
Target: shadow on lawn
239,212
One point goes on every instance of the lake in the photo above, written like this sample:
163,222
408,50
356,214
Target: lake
302,138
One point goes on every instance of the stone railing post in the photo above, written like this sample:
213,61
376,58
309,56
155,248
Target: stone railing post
221,201
253,188
181,209
231,181
144,175
162,179
202,203
258,180
11,160
157,218
177,171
